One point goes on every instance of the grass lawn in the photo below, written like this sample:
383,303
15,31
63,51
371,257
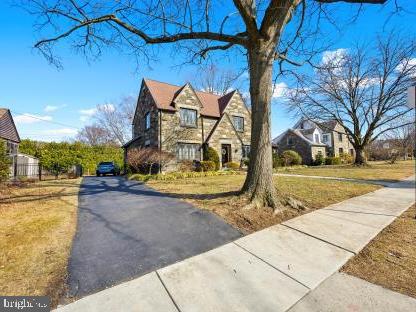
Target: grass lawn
375,171
37,224
219,195
390,258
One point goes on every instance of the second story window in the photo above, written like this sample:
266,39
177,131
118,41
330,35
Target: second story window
188,117
289,141
238,123
317,138
340,137
325,138
147,121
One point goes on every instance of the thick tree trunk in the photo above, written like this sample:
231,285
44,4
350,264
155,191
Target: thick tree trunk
360,158
259,181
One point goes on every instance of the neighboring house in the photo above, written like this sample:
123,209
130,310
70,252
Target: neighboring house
306,142
309,139
183,121
9,134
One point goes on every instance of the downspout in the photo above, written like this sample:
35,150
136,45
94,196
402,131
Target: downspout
160,136
203,138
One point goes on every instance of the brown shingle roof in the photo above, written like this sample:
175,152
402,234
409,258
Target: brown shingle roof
328,125
8,129
165,93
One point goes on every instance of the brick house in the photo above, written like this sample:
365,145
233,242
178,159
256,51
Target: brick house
183,121
309,139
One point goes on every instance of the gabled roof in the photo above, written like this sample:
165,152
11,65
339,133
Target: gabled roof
8,129
307,131
297,132
164,95
328,125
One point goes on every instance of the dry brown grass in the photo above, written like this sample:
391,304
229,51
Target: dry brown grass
37,224
390,258
219,195
380,170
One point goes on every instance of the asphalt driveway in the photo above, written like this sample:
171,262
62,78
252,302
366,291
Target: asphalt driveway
126,229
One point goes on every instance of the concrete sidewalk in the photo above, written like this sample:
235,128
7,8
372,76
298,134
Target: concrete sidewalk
283,267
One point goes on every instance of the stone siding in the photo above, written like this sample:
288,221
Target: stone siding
146,137
306,151
172,132
345,144
225,132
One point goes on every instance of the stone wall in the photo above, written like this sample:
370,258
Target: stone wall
345,144
225,132
298,145
147,137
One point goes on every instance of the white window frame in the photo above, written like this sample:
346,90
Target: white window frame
246,149
238,123
187,151
147,121
185,120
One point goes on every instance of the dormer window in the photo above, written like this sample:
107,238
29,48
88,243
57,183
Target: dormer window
316,138
188,117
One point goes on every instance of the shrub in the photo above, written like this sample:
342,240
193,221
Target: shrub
277,160
180,175
291,158
207,165
4,162
232,165
346,158
332,161
319,159
211,154
186,166
246,161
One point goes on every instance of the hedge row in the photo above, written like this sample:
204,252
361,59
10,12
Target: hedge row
180,175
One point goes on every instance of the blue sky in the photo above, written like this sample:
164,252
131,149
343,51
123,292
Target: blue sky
65,98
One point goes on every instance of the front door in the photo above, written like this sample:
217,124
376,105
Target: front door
225,153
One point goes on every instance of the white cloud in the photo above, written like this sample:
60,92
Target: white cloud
88,112
107,107
279,90
65,131
52,108
30,118
333,56
410,64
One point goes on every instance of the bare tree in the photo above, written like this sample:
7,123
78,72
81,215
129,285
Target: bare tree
403,137
116,119
141,159
364,89
255,28
95,135
216,80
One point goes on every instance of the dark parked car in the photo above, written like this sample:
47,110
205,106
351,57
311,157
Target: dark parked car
107,167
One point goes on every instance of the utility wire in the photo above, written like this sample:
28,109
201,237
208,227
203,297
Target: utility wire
41,119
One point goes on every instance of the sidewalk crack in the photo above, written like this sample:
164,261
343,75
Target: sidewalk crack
167,291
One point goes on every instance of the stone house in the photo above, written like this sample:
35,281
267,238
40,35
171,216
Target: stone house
305,142
183,121
310,138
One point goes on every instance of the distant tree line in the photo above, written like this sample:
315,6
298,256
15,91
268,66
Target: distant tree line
59,157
